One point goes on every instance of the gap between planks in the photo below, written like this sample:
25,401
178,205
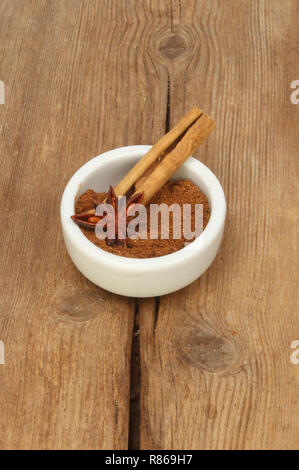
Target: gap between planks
135,370
135,377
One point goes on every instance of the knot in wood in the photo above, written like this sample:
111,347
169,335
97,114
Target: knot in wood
172,46
81,306
209,352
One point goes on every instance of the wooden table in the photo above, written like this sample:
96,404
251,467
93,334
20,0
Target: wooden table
210,366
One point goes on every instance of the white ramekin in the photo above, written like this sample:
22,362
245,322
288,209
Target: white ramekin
140,277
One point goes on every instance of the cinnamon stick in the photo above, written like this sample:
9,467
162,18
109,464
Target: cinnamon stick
156,152
167,155
173,160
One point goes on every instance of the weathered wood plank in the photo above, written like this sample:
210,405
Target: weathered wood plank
215,358
77,83
88,76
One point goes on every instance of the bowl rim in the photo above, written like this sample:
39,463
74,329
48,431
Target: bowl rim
200,244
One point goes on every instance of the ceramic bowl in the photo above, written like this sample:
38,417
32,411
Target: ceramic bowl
140,277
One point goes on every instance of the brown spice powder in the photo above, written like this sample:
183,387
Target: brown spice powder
178,192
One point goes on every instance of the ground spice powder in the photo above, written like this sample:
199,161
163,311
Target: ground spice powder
178,192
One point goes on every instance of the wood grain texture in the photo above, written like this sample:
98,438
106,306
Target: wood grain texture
76,85
215,357
82,77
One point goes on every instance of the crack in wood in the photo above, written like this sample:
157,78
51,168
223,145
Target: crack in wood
135,381
180,10
167,117
156,313
135,370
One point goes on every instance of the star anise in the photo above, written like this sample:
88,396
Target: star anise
89,219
